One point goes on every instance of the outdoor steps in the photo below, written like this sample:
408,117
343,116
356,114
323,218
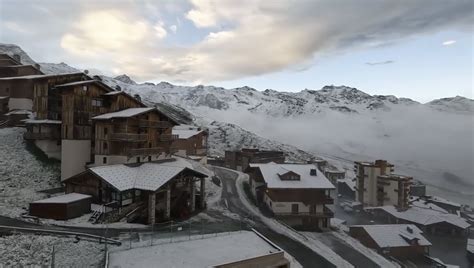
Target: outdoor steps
96,215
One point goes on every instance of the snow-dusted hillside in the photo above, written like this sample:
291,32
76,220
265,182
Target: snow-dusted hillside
225,136
12,49
57,68
432,142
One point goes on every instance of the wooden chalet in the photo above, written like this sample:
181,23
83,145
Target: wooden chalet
132,135
295,193
192,140
153,190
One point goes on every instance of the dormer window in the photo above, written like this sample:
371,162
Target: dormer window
289,176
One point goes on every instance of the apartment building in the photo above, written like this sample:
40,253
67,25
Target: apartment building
393,190
132,135
294,193
366,180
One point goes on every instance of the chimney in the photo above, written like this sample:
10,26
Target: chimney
136,96
118,88
409,229
313,172
37,66
17,57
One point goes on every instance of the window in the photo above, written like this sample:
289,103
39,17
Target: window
149,158
97,103
105,131
138,159
104,160
104,146
84,88
294,208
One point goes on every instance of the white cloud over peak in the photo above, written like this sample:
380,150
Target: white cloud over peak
234,39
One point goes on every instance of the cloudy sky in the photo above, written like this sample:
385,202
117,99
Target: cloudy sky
422,49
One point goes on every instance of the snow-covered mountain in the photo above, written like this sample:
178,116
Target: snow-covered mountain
431,142
12,49
57,68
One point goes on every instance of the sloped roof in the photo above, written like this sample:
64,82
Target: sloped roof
395,235
130,112
425,216
271,170
186,131
42,121
147,176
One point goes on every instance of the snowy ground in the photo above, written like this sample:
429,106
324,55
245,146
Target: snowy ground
36,250
22,174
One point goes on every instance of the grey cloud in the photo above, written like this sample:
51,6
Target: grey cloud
253,38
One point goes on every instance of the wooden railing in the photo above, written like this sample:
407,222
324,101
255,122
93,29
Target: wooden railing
154,124
128,137
41,136
168,137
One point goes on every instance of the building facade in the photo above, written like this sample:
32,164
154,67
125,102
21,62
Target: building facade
294,193
240,160
192,140
366,180
393,190
155,191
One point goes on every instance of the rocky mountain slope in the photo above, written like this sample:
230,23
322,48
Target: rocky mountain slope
431,142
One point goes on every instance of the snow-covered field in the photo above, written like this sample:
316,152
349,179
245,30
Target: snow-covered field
28,250
22,174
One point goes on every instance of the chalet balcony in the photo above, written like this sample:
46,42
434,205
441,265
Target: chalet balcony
41,136
326,214
154,124
144,151
168,137
129,137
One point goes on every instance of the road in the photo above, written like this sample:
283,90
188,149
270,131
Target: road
304,255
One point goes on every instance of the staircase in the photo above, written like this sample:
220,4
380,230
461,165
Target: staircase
96,216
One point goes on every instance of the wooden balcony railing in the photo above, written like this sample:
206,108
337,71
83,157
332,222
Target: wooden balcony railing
154,124
325,214
41,136
168,137
128,137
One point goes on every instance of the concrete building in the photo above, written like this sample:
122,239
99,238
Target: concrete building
393,190
240,160
155,191
192,141
294,193
334,175
417,188
366,180
245,249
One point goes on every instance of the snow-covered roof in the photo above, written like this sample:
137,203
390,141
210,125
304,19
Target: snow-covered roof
34,76
130,112
115,92
271,170
147,176
442,201
395,235
42,121
4,97
77,83
209,251
186,131
63,199
425,216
